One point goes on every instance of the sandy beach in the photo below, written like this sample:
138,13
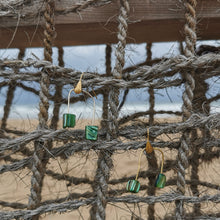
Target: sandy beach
15,186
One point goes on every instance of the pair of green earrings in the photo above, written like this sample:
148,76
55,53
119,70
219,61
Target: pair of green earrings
134,185
69,120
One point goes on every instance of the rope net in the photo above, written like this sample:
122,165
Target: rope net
46,170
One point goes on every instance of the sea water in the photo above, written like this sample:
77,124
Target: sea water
85,111
25,105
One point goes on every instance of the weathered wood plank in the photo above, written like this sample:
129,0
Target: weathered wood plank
149,21
141,10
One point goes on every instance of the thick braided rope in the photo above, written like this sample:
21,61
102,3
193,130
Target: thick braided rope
105,161
130,131
195,173
119,64
151,89
209,63
104,164
44,102
190,27
199,98
108,52
10,94
37,177
200,106
190,38
122,34
204,105
72,205
38,167
49,31
152,161
57,95
100,185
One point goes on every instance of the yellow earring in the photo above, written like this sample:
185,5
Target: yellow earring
134,185
69,120
78,88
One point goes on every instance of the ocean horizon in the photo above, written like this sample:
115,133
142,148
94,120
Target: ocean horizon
25,104
85,111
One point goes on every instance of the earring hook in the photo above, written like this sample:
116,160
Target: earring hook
78,90
69,119
149,149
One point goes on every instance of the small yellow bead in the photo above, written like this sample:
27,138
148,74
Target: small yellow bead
149,148
78,88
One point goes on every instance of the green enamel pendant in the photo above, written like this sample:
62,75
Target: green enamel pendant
91,132
161,181
69,120
133,186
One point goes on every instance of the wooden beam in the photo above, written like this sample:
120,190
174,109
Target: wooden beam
149,21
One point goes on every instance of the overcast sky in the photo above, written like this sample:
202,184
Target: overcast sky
92,58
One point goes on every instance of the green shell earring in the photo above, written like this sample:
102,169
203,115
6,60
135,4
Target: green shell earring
134,185
161,178
91,131
69,120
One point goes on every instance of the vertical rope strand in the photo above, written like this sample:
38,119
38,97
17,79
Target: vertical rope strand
57,95
119,64
108,52
151,89
190,39
199,98
190,27
122,34
100,186
10,94
105,163
152,160
49,31
38,167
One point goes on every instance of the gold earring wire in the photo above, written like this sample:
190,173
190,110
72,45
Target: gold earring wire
149,149
77,90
